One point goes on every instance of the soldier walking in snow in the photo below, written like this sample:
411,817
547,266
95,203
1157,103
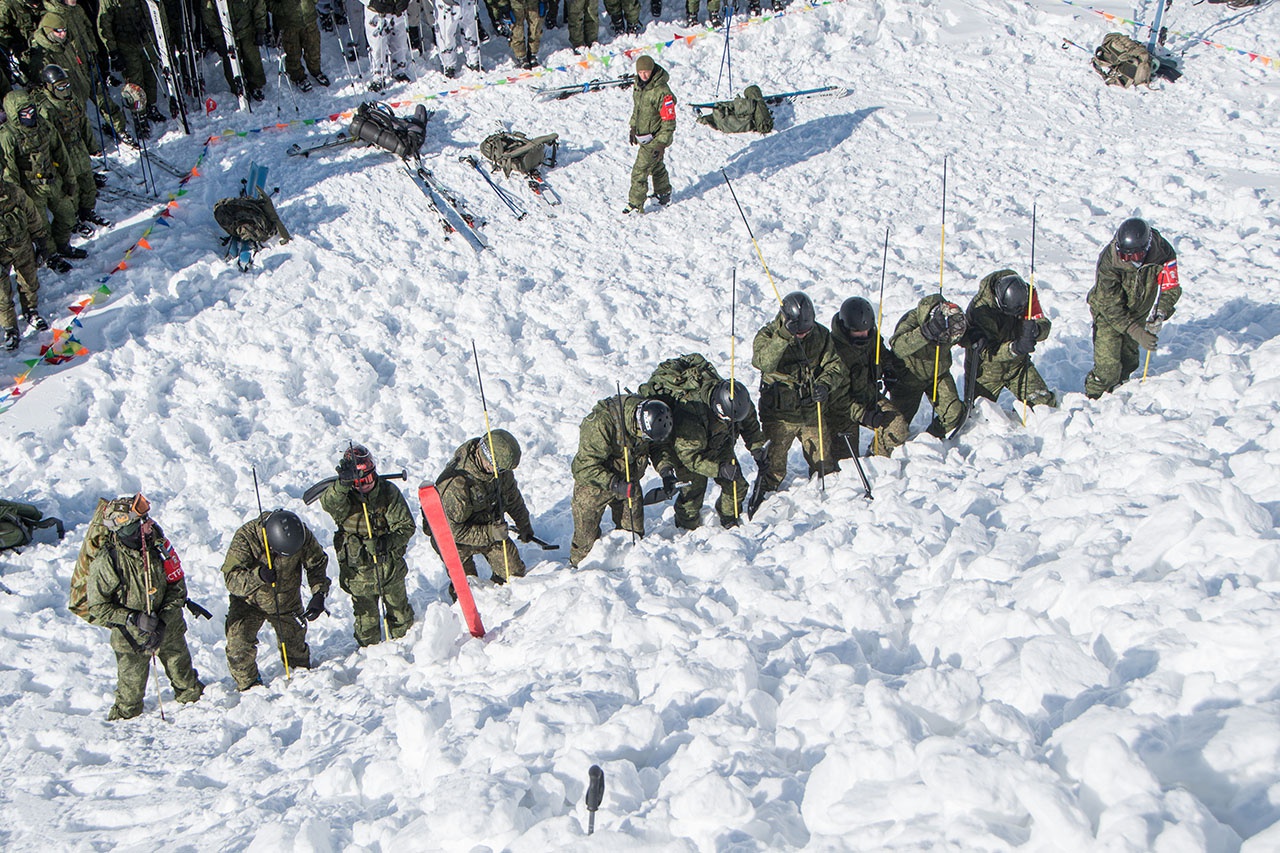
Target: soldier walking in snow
136,587
477,504
374,528
1134,292
263,571
653,127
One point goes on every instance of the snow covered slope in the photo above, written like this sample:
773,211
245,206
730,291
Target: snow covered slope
1057,637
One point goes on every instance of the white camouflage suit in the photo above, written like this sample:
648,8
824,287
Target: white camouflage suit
388,38
456,30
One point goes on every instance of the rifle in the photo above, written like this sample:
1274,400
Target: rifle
757,490
314,491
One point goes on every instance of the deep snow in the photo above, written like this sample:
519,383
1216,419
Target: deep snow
1057,637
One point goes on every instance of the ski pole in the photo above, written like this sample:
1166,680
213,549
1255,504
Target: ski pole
595,793
153,666
626,464
866,485
1030,298
733,370
493,456
275,594
751,234
884,264
942,252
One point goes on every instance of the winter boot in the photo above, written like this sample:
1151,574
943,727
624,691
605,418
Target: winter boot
619,26
84,229
257,95
326,22
664,199
35,321
87,214
58,264
154,114
303,85
753,8
99,180
691,20
655,6
321,78
10,339
70,251
715,20
631,208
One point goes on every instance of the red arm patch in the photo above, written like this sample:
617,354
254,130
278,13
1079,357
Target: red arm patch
667,111
172,565
1168,277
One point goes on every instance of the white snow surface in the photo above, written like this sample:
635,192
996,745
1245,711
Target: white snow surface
1053,637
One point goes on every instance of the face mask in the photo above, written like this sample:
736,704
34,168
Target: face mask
27,118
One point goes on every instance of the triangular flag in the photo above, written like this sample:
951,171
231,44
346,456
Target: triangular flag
121,266
104,289
82,351
195,173
33,362
143,242
57,335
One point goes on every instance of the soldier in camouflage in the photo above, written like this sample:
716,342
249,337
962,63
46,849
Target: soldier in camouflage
1135,291
653,128
264,571
137,588
862,401
374,528
799,369
621,437
33,157
125,29
248,32
922,341
21,226
60,108
477,502
1006,322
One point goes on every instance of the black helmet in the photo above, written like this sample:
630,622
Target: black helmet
856,316
505,449
1012,295
730,401
285,533
797,313
1133,239
654,419
366,468
52,75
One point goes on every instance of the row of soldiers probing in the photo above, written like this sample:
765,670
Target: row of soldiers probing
819,385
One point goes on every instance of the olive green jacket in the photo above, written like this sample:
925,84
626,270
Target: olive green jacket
473,498
790,367
122,580
1123,295
859,359
917,354
34,158
602,439
653,110
20,222
248,553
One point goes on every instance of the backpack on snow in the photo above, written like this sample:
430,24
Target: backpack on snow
512,151
19,521
1122,61
684,379
247,219
378,125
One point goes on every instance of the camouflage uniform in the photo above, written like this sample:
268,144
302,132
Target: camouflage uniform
83,38
917,356
582,18
20,226
371,555
123,580
702,442
1121,296
18,22
35,159
624,14
299,37
1000,366
14,520
653,114
476,505
68,116
248,22
125,29
526,50
852,405
599,460
254,602
789,368
747,113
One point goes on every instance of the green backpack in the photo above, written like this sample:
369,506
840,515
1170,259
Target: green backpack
685,379
95,540
512,151
1122,61
19,521
247,219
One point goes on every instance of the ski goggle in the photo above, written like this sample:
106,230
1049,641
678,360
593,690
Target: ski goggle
124,511
1131,257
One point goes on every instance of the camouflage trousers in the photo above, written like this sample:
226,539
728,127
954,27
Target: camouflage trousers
691,7
688,506
883,440
137,69
1115,358
61,207
623,10
1022,380
526,12
372,588
134,666
243,623
23,259
781,434
504,566
589,504
582,17
906,396
650,162
301,44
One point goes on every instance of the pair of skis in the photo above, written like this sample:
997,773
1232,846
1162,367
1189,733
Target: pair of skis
559,93
536,183
789,97
255,185
454,216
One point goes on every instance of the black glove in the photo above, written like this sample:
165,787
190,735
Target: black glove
526,535
346,471
668,476
1026,342
658,150
729,470
259,38
821,392
631,137
1156,323
383,544
761,455
149,627
934,328
498,531
314,607
268,575
41,254
873,418
619,487
1145,339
